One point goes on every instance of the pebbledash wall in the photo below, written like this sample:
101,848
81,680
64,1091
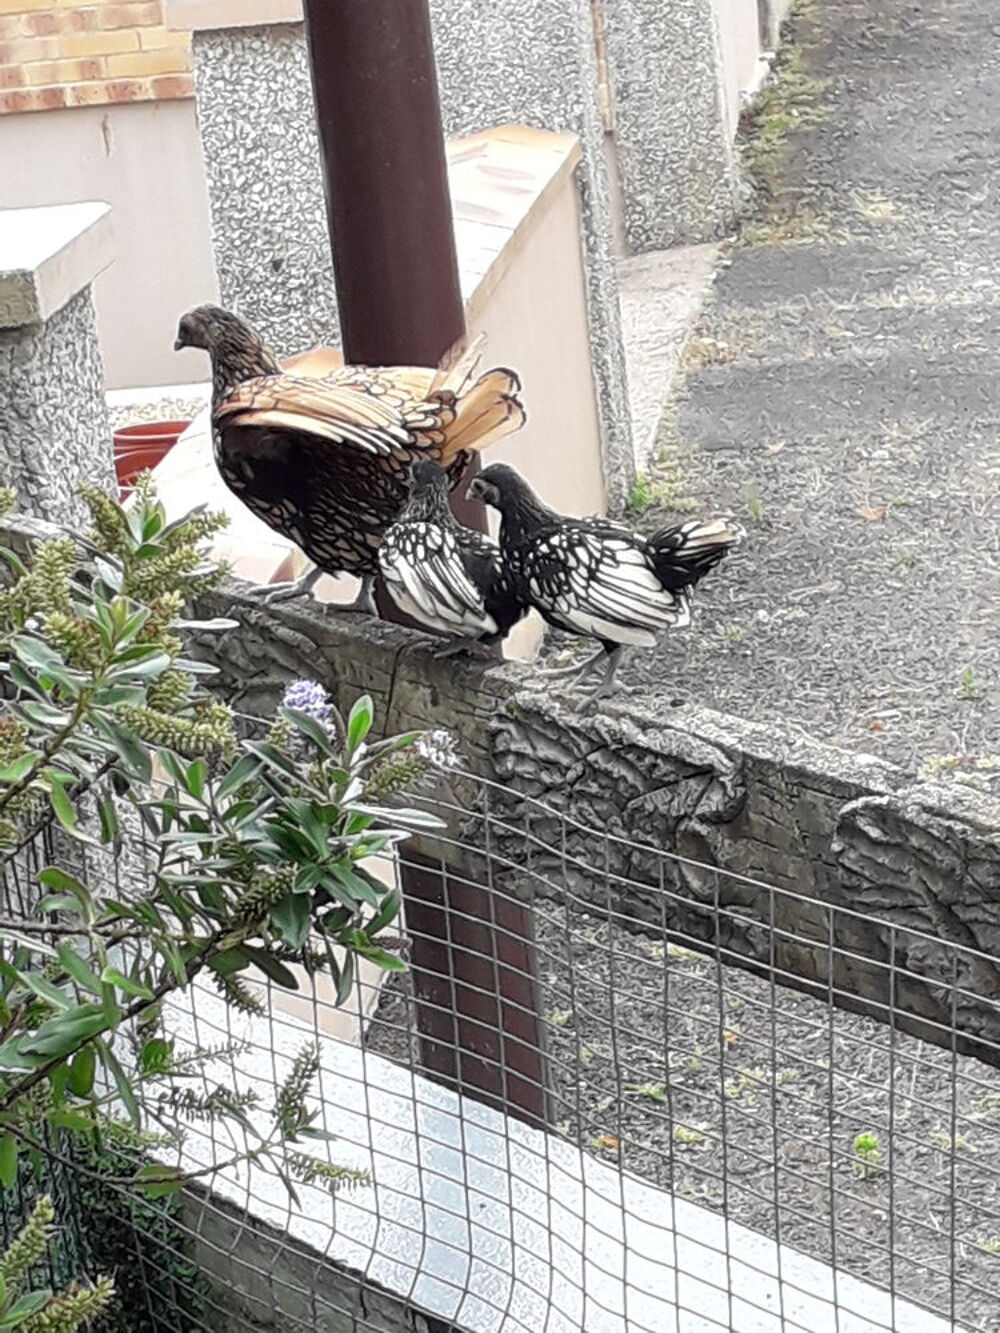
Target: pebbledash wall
652,90
53,417
532,63
823,825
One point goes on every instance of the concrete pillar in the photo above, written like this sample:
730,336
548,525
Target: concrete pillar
54,431
672,121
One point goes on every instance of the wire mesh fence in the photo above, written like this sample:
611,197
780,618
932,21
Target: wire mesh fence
720,1146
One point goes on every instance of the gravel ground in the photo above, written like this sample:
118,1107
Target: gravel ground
749,1099
842,397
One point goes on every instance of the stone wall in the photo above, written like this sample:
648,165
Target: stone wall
834,833
53,424
672,133
270,1282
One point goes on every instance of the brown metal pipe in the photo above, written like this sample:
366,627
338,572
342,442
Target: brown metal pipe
388,205
386,179
385,176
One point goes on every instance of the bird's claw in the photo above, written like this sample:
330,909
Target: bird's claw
591,698
455,647
606,686
576,669
364,603
284,592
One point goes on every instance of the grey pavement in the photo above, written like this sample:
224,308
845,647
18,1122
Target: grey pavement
842,397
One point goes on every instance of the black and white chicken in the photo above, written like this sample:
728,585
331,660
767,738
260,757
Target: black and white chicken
596,577
322,453
445,576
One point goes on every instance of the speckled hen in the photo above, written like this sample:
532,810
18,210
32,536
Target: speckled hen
445,576
324,459
596,577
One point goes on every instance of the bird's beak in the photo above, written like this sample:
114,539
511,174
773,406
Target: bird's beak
472,492
179,343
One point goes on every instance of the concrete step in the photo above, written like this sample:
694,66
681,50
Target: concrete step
662,294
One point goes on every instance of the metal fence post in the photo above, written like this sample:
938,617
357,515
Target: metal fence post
389,210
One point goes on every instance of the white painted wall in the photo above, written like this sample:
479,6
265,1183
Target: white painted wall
738,26
144,159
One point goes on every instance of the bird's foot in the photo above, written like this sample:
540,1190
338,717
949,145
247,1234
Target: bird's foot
364,603
576,669
283,592
456,647
607,684
605,690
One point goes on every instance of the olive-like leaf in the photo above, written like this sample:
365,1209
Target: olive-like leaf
359,721
75,966
292,917
128,984
65,1032
156,1181
8,1160
81,1071
122,1082
271,967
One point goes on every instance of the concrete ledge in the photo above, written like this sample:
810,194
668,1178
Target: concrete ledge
47,256
479,1221
208,15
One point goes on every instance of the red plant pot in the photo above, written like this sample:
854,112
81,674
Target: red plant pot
141,447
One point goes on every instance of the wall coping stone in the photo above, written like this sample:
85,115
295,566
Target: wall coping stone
48,255
480,1221
210,15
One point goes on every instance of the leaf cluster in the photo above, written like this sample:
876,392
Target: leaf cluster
251,858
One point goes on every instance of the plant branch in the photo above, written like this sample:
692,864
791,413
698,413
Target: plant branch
49,750
215,943
26,927
168,1178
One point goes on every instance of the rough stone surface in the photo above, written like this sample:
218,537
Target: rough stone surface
772,13
536,64
256,117
843,397
269,1282
174,402
679,179
53,421
830,830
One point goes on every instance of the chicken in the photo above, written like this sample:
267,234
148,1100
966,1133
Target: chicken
324,458
596,577
446,576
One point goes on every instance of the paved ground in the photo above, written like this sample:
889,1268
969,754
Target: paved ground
842,395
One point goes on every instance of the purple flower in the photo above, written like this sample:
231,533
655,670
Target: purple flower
438,748
309,697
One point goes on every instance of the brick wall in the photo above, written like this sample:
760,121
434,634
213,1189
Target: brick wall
64,53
